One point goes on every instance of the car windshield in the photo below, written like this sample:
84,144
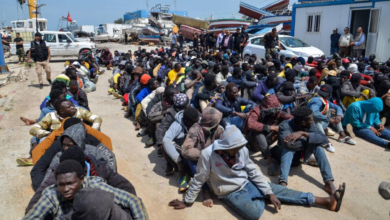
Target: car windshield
293,42
71,37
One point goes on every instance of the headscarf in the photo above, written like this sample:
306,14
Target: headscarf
211,118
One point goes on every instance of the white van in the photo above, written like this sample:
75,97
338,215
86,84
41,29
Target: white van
291,47
62,44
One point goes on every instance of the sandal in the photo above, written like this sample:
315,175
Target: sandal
24,161
339,197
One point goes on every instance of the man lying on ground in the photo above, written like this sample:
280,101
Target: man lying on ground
237,181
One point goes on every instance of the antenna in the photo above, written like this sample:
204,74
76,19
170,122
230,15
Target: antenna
175,5
147,4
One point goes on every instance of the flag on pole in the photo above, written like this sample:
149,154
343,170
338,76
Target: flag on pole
69,18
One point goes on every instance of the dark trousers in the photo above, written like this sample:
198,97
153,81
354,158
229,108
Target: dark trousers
344,51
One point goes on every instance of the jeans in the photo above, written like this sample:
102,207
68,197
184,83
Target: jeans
333,49
319,154
236,120
193,166
249,201
369,136
322,125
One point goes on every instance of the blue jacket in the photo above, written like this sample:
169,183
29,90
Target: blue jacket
45,111
68,97
316,106
223,105
334,40
260,91
142,94
358,110
236,81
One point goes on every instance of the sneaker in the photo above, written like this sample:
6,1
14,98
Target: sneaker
159,153
384,190
183,183
50,82
329,132
169,170
347,140
350,131
330,148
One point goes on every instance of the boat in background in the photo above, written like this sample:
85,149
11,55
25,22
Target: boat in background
153,22
228,23
149,30
190,22
149,38
188,32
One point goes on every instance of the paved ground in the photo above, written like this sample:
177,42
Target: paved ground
361,167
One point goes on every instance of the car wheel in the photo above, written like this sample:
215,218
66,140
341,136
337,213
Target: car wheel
246,58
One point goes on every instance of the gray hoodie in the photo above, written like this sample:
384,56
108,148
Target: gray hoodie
77,134
176,133
223,179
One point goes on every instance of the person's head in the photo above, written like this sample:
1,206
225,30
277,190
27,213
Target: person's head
245,66
65,108
232,141
180,101
355,79
209,80
169,92
17,34
361,67
273,32
310,59
217,68
372,57
375,65
335,31
202,31
270,81
344,76
231,91
346,30
290,75
177,67
116,53
311,83
190,117
325,91
56,94
338,62
282,58
82,61
321,65
345,63
71,73
238,30
312,72
288,88
331,65
228,32
153,84
222,88
73,86
225,70
74,153
38,36
303,117
198,62
359,30
70,178
237,73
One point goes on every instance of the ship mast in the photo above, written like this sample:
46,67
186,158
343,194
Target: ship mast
32,6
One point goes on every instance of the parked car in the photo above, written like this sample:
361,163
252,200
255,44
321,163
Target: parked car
291,47
62,44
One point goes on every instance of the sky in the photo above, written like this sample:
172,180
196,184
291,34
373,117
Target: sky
96,12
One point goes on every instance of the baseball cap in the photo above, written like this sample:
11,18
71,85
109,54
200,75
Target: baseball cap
345,60
325,90
38,34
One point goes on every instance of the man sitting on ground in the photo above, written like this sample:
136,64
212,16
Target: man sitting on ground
263,87
78,94
208,91
57,200
353,91
241,185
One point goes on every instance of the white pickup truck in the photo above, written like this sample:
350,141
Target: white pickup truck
62,44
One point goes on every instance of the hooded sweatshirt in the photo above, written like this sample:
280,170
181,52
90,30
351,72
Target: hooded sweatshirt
260,91
199,135
363,114
107,55
177,132
223,179
77,134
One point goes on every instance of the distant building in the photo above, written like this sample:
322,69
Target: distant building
314,21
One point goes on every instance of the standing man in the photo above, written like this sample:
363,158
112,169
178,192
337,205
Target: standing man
125,38
219,39
174,41
344,43
180,39
202,39
19,47
227,42
334,41
206,40
269,41
246,37
237,40
40,53
359,44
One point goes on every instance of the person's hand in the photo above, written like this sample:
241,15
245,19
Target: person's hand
385,95
294,136
275,201
199,77
177,204
274,128
347,45
240,114
116,86
48,59
364,96
372,95
337,119
376,132
381,127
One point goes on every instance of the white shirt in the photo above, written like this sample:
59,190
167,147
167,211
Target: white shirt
345,39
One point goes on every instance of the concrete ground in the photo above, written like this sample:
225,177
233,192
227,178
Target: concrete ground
361,167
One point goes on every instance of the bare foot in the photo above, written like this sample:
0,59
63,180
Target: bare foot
207,199
28,121
333,202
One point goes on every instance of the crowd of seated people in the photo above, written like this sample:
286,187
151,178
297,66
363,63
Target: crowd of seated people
206,111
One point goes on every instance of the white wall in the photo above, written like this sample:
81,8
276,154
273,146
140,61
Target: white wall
383,43
335,16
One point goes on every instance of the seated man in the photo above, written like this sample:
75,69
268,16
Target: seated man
200,136
263,87
208,91
262,128
240,184
362,119
92,167
140,116
57,200
64,108
353,91
309,87
174,138
78,94
300,134
44,153
322,115
106,58
230,105
175,75
288,92
193,79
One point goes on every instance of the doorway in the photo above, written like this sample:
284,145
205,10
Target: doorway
360,18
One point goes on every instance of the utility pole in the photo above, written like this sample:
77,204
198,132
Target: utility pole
147,4
175,5
36,6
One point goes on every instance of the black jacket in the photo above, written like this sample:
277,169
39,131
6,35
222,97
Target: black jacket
38,172
230,43
101,169
36,49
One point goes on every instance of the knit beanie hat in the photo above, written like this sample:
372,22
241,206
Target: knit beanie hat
144,79
180,101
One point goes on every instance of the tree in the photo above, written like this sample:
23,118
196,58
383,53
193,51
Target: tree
119,21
